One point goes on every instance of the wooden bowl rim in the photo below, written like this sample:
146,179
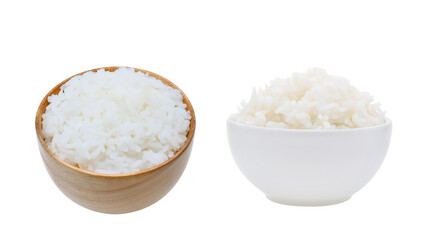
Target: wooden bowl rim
190,133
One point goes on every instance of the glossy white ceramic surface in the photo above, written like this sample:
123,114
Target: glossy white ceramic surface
308,167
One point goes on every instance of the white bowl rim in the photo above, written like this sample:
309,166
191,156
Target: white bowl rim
387,123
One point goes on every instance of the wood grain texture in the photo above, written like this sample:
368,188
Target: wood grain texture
115,193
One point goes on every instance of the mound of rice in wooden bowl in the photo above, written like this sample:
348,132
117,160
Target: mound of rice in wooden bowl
115,139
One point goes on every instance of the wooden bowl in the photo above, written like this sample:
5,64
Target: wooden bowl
115,193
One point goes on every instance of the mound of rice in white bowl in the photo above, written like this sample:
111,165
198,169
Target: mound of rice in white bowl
115,122
310,100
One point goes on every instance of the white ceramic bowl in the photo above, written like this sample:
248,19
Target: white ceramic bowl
308,167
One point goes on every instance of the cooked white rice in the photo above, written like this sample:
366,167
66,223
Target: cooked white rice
115,122
310,100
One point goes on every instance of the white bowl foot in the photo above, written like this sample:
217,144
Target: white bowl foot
307,202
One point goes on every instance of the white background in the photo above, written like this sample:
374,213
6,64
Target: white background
216,51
